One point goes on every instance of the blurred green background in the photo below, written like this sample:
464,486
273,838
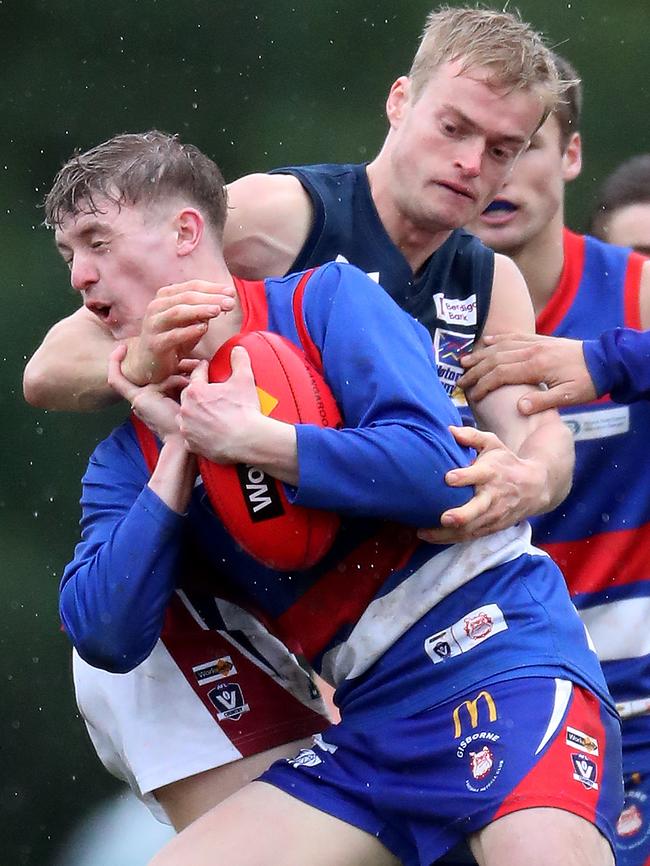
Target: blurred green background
255,85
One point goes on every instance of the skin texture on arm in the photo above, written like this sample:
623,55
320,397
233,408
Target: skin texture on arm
269,218
520,358
68,370
524,465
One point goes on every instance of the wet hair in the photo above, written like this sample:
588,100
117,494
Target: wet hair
568,110
501,42
138,168
628,184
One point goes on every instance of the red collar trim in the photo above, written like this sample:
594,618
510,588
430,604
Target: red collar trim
562,298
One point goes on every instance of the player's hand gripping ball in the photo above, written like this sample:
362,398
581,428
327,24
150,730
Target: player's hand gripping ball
252,505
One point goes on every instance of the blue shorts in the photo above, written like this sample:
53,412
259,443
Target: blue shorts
422,784
633,827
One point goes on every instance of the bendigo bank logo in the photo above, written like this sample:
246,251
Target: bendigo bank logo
471,710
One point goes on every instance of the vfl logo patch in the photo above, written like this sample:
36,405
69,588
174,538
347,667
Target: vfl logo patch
470,631
579,740
261,493
218,669
585,771
455,311
228,700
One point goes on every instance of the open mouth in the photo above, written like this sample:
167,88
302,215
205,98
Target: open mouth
102,311
499,212
500,205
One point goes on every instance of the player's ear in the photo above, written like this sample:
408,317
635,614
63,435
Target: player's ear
398,99
189,225
572,158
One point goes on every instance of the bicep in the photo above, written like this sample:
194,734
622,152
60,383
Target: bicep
511,309
269,218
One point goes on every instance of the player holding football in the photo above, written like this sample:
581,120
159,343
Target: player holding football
580,286
463,135
438,653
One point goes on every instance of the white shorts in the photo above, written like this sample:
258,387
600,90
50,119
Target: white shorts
214,702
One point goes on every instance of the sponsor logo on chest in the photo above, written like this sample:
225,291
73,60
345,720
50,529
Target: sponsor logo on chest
456,311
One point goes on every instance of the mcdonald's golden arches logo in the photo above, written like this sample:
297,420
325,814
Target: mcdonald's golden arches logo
472,707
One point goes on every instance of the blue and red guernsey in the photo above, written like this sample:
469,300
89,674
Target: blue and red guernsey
600,535
397,625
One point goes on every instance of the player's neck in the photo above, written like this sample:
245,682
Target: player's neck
541,262
414,242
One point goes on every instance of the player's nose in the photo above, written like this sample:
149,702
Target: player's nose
83,274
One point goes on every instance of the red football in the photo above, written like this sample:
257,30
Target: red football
251,504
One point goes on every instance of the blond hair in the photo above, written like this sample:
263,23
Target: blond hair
501,42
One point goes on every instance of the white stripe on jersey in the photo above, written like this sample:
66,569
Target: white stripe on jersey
619,629
563,690
387,618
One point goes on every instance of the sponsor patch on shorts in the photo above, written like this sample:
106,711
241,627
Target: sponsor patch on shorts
579,740
217,669
474,628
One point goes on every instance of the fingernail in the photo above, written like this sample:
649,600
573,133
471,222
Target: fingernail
525,406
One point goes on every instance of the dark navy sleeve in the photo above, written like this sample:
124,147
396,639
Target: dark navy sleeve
391,458
115,591
619,364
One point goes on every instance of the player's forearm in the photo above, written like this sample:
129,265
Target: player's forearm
68,371
173,478
549,452
390,471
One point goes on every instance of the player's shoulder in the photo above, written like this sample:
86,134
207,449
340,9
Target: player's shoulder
331,277
261,190
336,172
120,450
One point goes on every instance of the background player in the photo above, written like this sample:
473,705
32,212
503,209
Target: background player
468,633
599,535
622,212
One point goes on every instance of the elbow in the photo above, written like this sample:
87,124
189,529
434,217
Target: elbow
104,644
433,503
37,385
105,652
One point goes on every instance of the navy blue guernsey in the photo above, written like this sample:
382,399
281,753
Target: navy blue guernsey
450,295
